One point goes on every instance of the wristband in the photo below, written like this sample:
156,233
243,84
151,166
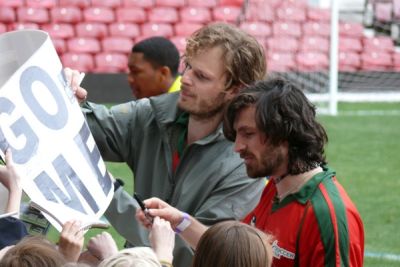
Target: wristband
183,224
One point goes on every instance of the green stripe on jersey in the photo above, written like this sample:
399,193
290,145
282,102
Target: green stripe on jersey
322,214
341,219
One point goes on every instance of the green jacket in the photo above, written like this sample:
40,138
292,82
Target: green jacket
210,183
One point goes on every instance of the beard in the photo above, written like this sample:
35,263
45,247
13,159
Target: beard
206,108
268,165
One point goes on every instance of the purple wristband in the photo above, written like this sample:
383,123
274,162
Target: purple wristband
183,224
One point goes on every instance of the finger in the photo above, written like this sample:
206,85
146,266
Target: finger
67,227
8,157
154,203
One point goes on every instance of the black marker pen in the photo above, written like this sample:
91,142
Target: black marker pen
143,207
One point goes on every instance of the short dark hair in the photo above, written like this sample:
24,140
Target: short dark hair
159,51
283,113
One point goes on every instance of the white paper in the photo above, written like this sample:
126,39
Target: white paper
41,121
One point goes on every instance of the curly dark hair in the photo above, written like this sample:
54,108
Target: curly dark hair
283,113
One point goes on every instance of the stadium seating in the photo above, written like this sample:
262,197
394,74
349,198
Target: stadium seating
186,29
131,14
163,15
91,29
67,14
7,15
202,3
32,14
117,44
295,35
84,45
121,29
111,62
138,3
99,14
41,3
80,61
226,13
59,30
75,3
195,14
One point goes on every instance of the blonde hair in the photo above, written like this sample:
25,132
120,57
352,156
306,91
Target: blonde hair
132,257
33,251
243,56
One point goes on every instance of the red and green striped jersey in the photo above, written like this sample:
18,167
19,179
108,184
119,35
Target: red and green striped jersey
317,226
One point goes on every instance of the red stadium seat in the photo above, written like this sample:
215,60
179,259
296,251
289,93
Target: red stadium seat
296,14
381,43
131,14
226,13
163,15
138,3
351,29
316,28
59,30
79,61
107,3
157,29
349,61
66,14
117,44
280,62
260,13
195,14
231,2
186,29
202,3
376,61
383,11
396,61
170,3
75,3
111,62
309,61
41,3
99,14
314,44
83,45
91,29
180,42
3,28
258,29
22,26
287,29
31,14
283,44
348,44
292,3
12,3
319,14
396,9
7,14
121,29
59,45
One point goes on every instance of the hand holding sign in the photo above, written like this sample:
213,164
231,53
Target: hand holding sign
41,122
74,78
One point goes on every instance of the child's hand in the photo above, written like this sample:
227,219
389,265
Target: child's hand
71,240
11,180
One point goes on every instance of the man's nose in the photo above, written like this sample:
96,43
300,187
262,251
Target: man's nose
239,146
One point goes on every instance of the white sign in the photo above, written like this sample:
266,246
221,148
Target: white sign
42,123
